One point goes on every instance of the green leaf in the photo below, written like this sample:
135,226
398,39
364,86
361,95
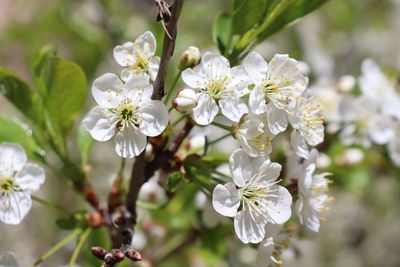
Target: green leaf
247,14
173,181
66,223
295,10
220,31
44,65
85,142
21,95
64,93
15,132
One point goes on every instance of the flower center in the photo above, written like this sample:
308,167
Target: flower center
7,185
127,114
216,88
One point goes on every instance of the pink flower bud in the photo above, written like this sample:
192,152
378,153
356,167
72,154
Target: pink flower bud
185,101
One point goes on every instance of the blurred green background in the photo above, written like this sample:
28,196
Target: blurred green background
362,228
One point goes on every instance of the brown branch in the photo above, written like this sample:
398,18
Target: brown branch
168,49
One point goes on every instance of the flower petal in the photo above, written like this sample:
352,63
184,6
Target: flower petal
31,177
226,199
264,252
239,81
299,144
124,55
279,210
138,86
153,67
155,118
195,77
130,143
257,100
100,123
206,109
256,67
12,158
247,230
233,108
277,119
240,167
14,207
105,90
214,65
146,44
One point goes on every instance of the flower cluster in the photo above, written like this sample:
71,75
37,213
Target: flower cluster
125,108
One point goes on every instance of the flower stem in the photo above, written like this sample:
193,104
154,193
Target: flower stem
221,126
49,204
171,89
219,139
59,245
84,236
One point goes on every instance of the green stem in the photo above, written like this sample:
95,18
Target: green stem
49,204
178,120
122,167
84,236
219,139
59,245
171,89
221,126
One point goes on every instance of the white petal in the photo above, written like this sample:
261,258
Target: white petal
130,143
247,230
306,179
100,123
239,81
226,199
257,100
123,54
269,170
14,207
31,177
12,158
256,67
233,108
264,252
155,118
153,67
381,129
279,211
215,65
146,43
105,90
240,167
206,109
138,86
277,119
194,78
299,144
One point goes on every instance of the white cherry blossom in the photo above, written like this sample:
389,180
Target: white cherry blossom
138,57
280,82
254,135
126,111
18,180
307,123
218,87
313,197
254,198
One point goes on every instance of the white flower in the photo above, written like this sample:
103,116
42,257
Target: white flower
126,111
363,122
270,249
216,84
138,57
185,101
329,98
254,198
8,259
279,82
254,135
308,128
313,197
18,180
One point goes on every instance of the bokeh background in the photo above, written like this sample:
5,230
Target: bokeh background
363,226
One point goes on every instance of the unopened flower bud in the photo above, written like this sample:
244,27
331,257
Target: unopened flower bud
133,255
185,101
190,58
117,254
99,252
109,258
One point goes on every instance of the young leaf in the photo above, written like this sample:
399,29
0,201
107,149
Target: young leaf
15,132
21,95
220,31
173,181
44,65
247,14
66,94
